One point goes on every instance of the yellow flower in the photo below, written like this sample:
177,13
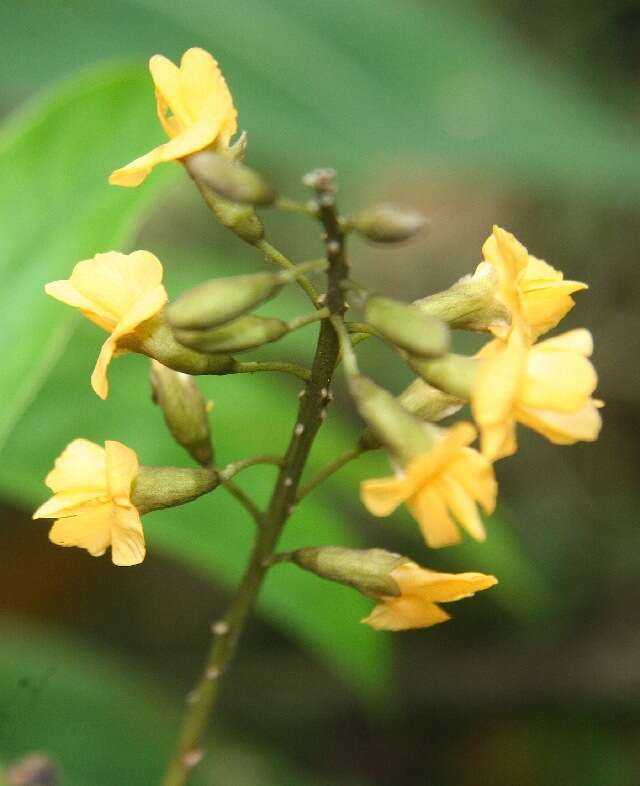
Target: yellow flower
116,291
439,487
536,294
546,386
195,108
420,592
92,501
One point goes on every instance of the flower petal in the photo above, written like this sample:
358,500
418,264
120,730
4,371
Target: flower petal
166,77
69,503
564,428
559,380
404,613
67,293
475,474
381,496
82,466
90,530
122,469
429,510
462,505
99,381
127,546
439,587
205,92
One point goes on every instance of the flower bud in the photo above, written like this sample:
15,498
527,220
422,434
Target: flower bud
238,335
403,434
469,304
155,339
429,403
407,327
386,223
240,219
367,570
165,487
185,411
453,374
230,179
222,299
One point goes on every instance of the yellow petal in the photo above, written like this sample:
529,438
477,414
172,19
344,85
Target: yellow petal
461,505
495,394
166,77
99,381
426,466
143,309
114,282
90,531
69,503
544,308
475,474
405,613
429,510
579,341
80,467
205,92
67,293
564,428
122,469
188,141
560,380
127,537
381,496
439,587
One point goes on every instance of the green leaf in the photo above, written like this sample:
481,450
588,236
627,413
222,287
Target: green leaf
101,720
57,208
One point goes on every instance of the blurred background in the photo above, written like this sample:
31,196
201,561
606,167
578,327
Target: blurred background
493,111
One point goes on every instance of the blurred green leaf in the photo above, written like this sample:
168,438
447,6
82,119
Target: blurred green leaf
103,722
443,85
56,209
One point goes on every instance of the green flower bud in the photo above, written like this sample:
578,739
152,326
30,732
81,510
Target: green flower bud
469,304
367,570
185,411
389,422
165,487
230,179
386,223
240,219
222,299
407,327
155,339
429,403
453,374
238,335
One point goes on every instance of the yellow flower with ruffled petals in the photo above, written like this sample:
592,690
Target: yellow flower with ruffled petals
546,387
195,109
439,487
536,294
92,501
420,592
116,291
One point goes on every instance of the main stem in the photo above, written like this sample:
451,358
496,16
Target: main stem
228,630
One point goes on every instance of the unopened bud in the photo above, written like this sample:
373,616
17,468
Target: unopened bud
240,219
407,327
386,223
429,403
222,299
238,335
230,179
155,339
453,374
367,570
392,426
165,487
469,304
185,411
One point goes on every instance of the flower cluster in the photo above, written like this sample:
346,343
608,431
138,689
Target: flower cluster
100,493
